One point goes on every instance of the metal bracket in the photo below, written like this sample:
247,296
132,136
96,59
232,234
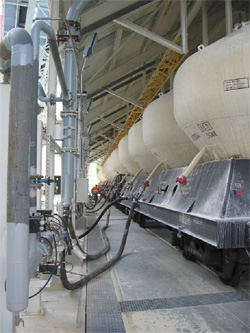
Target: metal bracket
69,149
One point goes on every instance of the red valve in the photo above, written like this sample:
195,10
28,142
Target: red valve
239,192
130,183
182,180
146,183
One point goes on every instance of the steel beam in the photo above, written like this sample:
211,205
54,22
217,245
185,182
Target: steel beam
204,23
126,99
124,68
110,123
148,34
117,43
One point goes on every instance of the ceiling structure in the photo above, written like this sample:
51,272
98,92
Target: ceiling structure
123,61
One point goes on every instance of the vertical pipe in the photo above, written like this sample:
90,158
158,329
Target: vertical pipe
36,29
204,23
39,157
69,126
229,17
17,45
6,317
52,88
184,38
69,120
79,140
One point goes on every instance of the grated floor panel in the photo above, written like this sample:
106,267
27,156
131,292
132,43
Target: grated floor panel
102,308
183,301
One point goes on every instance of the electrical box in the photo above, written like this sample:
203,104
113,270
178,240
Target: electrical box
58,132
82,190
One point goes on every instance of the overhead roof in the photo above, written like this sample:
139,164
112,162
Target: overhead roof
123,61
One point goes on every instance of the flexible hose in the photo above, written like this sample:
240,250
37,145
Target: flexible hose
105,239
96,203
106,199
106,242
72,286
99,217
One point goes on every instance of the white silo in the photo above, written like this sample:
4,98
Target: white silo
212,96
138,150
126,159
163,136
117,166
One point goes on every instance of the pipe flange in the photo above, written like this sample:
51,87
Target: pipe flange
72,23
68,113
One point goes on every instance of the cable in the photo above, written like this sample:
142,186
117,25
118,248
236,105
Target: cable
99,217
51,274
72,286
65,224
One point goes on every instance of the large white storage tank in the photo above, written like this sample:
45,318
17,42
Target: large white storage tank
108,170
125,158
117,166
163,136
100,176
138,150
212,96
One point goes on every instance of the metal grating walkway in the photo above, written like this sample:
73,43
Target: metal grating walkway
179,302
102,308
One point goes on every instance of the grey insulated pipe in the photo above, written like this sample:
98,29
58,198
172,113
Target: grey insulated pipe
17,46
69,113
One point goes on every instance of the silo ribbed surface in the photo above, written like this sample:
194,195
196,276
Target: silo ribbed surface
212,96
138,150
125,158
163,136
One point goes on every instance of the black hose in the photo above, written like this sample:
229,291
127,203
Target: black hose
106,242
105,239
99,217
106,199
72,286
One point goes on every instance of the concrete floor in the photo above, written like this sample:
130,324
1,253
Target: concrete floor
151,289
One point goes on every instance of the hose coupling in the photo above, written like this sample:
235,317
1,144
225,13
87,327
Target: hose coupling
182,180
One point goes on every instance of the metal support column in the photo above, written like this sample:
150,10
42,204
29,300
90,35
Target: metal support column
204,24
229,17
184,38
